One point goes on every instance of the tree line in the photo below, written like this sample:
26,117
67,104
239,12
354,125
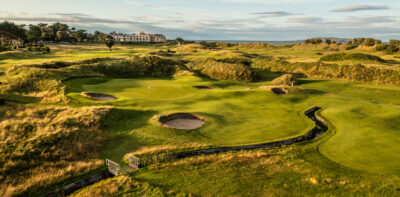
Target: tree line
391,47
16,36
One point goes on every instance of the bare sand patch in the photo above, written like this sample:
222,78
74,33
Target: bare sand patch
182,121
99,97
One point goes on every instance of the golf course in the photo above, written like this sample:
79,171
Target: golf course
66,112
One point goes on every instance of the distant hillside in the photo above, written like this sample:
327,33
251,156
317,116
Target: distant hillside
254,41
283,42
341,40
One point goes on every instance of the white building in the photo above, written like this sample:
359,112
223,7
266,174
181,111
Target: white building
142,37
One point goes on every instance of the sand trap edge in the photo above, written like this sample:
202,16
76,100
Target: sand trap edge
163,119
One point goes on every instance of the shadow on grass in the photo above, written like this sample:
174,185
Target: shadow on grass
26,55
304,82
119,125
265,75
392,62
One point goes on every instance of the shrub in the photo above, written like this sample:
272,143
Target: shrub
351,56
352,46
45,49
369,42
381,47
392,49
38,49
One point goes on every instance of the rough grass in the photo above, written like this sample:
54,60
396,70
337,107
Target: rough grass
321,70
44,145
221,70
351,56
293,171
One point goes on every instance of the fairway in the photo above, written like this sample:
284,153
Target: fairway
237,116
233,117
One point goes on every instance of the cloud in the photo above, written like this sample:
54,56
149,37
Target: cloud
274,1
307,19
214,26
69,14
356,8
134,3
370,19
67,18
273,13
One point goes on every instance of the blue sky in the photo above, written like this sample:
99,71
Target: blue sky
217,19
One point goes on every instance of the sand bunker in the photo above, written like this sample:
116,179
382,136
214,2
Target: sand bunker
99,97
182,121
278,91
203,87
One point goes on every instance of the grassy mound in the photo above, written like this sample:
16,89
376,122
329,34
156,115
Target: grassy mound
221,70
351,56
44,145
321,70
286,79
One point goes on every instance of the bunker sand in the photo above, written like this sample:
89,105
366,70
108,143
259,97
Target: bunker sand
182,121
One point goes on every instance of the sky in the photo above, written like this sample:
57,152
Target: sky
258,20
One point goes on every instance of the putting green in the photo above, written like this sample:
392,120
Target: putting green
233,115
142,89
366,118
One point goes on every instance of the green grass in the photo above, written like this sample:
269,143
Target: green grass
71,53
360,156
364,115
233,114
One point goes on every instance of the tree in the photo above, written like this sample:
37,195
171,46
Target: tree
34,34
180,40
394,42
369,42
79,35
12,34
328,41
378,42
109,41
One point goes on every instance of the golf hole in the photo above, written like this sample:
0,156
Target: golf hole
182,121
99,97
